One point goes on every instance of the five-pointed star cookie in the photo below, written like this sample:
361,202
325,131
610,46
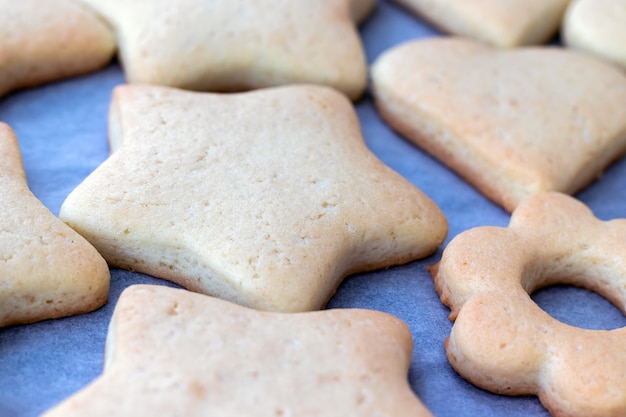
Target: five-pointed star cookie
226,45
266,198
512,123
174,352
42,41
46,269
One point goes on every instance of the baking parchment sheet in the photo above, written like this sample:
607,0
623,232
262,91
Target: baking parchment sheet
62,131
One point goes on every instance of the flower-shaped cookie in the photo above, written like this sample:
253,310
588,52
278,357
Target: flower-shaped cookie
171,352
225,45
502,341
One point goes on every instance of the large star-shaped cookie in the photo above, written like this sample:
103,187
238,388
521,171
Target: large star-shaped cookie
46,269
42,41
512,123
267,198
226,45
172,352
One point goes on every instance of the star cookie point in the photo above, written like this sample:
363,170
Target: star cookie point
46,269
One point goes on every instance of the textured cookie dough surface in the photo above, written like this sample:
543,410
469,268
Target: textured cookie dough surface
266,198
501,23
502,341
172,352
511,123
225,45
43,41
597,27
46,269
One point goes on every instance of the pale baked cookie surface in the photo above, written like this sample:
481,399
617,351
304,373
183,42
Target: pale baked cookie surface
43,41
46,269
173,352
597,27
501,23
225,45
511,123
266,198
502,341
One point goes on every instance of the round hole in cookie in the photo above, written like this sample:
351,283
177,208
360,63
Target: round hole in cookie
579,307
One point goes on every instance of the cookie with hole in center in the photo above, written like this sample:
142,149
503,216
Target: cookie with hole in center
502,341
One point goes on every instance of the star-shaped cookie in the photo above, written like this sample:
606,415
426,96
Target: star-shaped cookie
43,41
512,123
266,198
46,269
226,45
174,352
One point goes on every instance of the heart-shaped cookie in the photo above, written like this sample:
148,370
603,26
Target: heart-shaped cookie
512,123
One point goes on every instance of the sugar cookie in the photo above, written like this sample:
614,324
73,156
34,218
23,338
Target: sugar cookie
174,352
501,23
267,198
46,269
597,27
502,341
511,123
186,43
44,41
